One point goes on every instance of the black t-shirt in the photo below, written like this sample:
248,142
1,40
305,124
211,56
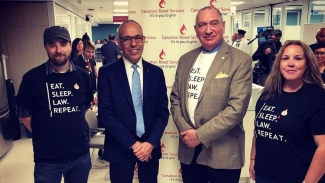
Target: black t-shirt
284,129
57,103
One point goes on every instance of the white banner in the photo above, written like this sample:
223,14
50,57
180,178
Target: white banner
168,26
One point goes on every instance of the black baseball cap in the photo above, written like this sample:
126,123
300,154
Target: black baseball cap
241,31
56,32
277,32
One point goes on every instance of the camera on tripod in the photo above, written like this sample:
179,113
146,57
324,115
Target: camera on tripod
257,71
267,33
265,63
257,68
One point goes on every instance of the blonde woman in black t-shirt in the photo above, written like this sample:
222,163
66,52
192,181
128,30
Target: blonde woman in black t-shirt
289,140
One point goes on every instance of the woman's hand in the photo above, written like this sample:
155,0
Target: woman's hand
251,169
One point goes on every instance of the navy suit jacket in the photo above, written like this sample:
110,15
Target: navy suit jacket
80,62
116,110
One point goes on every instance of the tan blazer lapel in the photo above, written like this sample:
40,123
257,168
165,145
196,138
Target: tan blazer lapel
217,63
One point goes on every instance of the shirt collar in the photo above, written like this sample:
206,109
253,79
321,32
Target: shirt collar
84,58
214,50
51,70
129,64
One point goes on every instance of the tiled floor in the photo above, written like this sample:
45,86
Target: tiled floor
17,165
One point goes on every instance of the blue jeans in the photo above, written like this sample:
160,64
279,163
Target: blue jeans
75,171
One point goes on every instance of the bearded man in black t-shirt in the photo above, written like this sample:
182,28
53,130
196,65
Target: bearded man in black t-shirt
51,103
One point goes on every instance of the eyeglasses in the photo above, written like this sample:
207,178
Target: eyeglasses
321,54
128,39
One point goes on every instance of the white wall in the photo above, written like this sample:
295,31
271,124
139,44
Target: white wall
310,32
305,32
259,20
291,32
76,25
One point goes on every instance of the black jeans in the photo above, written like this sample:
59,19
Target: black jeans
196,173
123,173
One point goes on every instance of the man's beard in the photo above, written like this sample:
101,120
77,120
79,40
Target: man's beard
277,40
59,63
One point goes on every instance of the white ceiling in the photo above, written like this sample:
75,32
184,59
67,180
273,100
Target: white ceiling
101,11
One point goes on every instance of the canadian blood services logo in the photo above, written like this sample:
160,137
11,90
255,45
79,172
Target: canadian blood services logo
212,2
183,29
162,53
162,147
161,3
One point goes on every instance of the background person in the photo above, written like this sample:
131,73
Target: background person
104,41
110,51
211,144
233,38
51,103
241,43
98,44
266,53
133,106
85,37
320,55
320,38
289,140
86,62
77,47
98,53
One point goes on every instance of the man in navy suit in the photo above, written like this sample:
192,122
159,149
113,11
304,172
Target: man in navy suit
121,115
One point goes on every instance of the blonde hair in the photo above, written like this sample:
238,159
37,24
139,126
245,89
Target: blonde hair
89,45
275,80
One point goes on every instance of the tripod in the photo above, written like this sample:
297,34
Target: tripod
266,58
271,56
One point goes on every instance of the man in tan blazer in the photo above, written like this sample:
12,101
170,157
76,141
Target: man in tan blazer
209,99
